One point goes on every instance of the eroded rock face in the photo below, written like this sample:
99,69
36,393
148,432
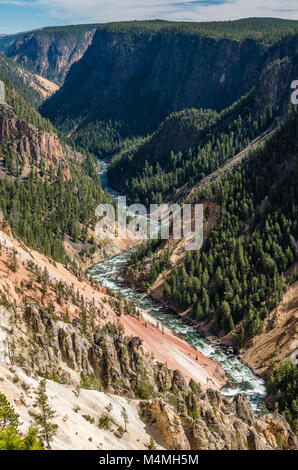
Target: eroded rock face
31,144
62,350
179,416
219,425
50,53
165,424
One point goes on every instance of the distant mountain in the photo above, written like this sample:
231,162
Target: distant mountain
49,52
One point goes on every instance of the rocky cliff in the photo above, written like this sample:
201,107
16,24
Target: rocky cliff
140,79
219,425
107,359
30,145
49,52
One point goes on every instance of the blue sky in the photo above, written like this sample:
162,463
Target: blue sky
23,15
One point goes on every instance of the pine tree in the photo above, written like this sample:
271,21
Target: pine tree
13,263
8,416
44,418
10,438
124,415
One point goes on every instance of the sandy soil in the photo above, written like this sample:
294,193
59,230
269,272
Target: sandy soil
174,351
46,87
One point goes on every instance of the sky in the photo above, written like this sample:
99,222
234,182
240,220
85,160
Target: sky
24,15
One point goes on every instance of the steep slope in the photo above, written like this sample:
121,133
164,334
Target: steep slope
177,134
29,147
43,290
134,75
243,281
35,87
278,340
49,52
89,419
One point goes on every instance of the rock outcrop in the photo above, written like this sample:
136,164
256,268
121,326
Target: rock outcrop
219,425
179,415
115,362
31,145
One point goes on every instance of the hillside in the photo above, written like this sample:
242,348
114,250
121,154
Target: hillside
194,113
238,287
149,172
35,87
278,339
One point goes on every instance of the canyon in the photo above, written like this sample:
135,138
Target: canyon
67,313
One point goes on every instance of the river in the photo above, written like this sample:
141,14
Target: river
241,378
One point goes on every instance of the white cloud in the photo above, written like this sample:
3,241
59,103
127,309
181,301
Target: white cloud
119,10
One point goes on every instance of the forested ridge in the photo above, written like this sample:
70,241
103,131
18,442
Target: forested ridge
21,106
43,212
148,179
150,171
269,30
